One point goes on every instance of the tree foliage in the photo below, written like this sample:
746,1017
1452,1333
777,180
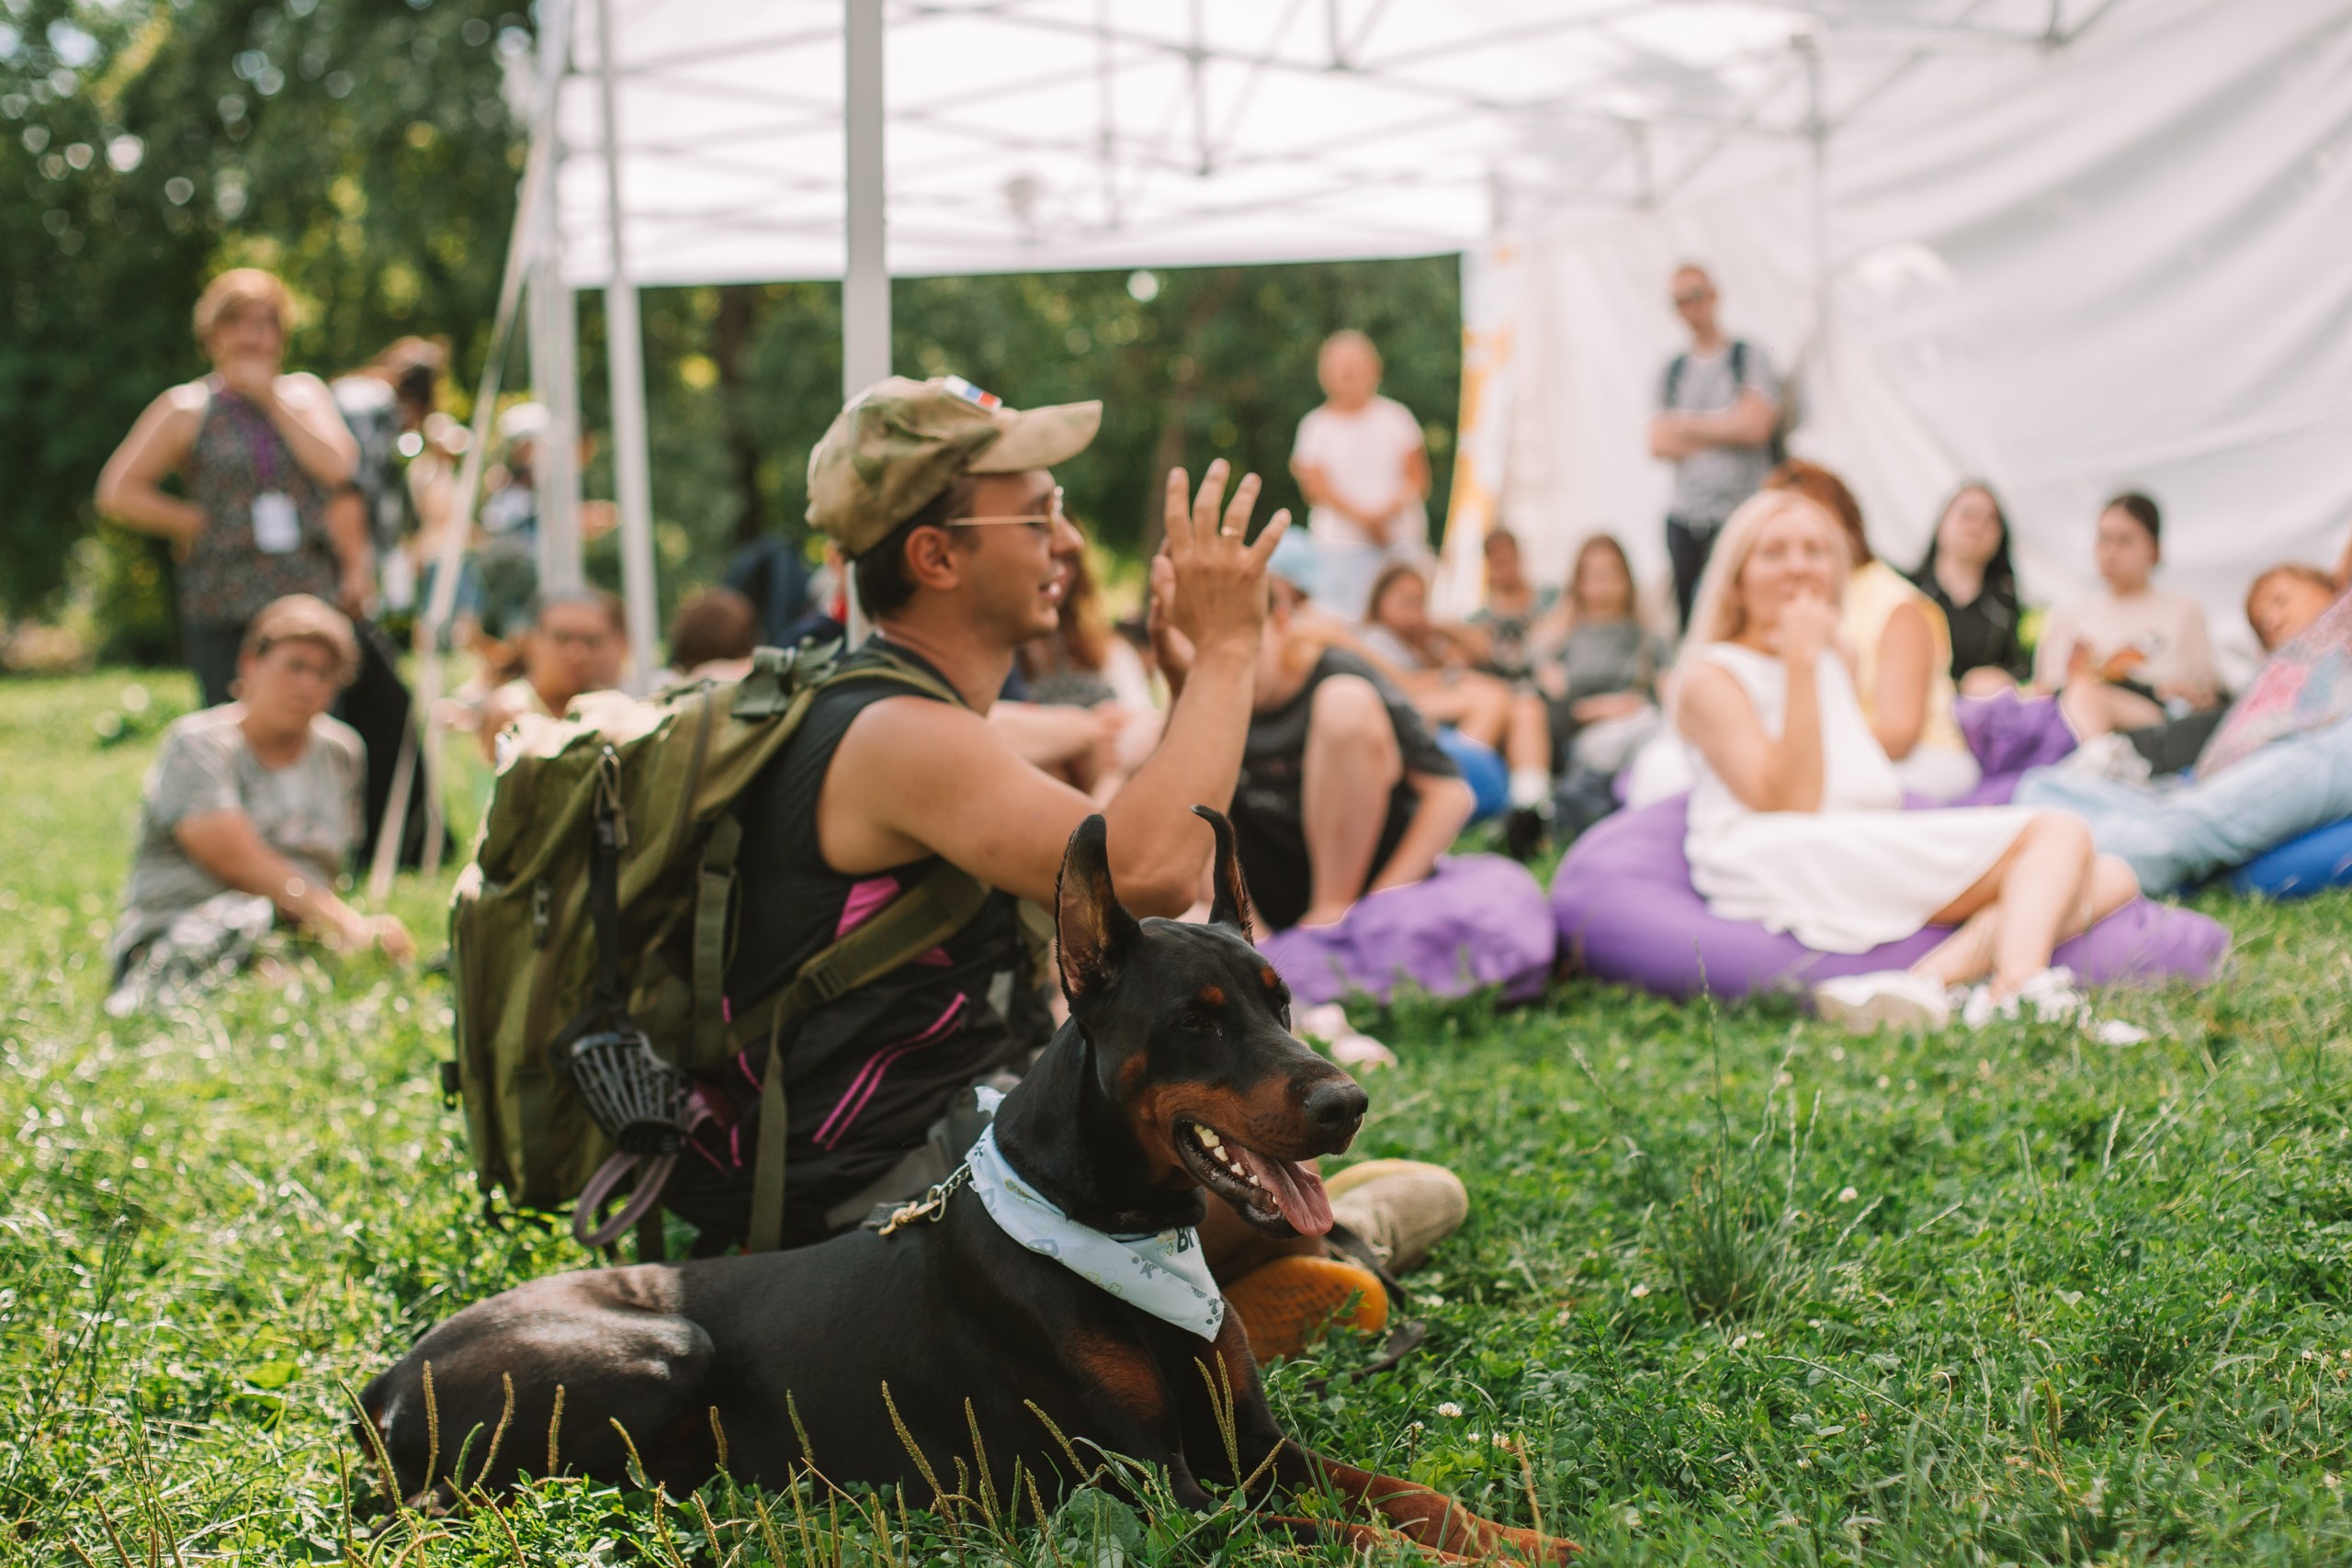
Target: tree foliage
360,148
1215,362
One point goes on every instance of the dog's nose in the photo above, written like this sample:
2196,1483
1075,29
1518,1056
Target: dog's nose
1336,1106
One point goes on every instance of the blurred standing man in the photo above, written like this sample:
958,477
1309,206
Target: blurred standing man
1718,422
1365,473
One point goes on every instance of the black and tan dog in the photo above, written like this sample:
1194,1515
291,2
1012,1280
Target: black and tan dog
1176,1072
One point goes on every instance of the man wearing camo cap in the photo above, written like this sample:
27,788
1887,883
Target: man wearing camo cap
944,502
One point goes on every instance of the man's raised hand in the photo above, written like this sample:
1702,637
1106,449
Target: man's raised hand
1217,595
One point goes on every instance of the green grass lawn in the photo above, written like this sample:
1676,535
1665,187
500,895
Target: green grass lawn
1735,1288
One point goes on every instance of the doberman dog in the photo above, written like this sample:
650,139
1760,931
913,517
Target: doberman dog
1176,1072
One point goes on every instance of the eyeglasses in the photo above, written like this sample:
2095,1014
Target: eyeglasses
1052,518
1694,297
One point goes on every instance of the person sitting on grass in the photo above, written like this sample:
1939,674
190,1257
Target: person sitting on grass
712,636
2135,654
1091,683
1518,622
1344,790
578,642
1602,680
2277,766
1433,665
1967,574
246,816
1795,813
1898,647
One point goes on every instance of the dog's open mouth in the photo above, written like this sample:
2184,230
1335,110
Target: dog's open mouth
1263,1188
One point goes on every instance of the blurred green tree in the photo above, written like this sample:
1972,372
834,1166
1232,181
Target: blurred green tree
362,149
1191,365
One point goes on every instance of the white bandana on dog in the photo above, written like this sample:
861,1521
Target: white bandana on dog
1164,1273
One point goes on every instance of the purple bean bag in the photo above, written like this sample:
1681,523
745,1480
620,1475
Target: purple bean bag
2008,734
1628,913
1477,920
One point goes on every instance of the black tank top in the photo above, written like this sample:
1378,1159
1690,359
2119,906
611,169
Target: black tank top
867,1074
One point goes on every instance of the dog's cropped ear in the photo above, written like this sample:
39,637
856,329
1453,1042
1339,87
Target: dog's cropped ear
1094,932
1230,903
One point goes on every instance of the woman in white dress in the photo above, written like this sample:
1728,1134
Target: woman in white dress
1795,813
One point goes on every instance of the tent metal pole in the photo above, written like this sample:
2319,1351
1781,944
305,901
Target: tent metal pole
625,359
1817,192
555,369
866,275
440,605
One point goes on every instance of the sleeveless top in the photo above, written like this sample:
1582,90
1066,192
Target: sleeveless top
1855,872
226,579
1873,595
1855,773
867,1074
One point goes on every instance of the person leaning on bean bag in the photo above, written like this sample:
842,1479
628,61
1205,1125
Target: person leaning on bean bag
2277,766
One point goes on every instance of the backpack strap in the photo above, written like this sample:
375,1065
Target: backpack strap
918,920
713,888
1738,365
1674,369
771,688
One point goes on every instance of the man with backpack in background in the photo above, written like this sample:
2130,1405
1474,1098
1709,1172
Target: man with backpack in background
1718,422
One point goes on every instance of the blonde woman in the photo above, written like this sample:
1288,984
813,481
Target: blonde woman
1794,812
1901,647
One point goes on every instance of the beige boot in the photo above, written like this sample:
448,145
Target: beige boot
1402,1208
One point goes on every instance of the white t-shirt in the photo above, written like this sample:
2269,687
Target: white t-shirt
2167,628
1363,455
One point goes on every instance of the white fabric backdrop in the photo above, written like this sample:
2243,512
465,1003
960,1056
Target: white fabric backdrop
2121,263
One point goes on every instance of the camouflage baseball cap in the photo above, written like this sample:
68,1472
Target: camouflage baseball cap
900,442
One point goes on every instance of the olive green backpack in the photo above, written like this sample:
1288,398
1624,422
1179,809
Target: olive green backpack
590,937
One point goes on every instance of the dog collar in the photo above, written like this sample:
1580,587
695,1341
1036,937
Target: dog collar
1163,1273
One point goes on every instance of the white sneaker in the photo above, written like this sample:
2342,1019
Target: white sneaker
2108,756
2052,997
1900,998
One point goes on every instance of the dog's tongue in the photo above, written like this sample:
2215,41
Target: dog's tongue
1297,1190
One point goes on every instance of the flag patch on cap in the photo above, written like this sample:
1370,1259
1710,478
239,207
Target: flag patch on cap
971,394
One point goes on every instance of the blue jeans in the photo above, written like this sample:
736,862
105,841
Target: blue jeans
2175,832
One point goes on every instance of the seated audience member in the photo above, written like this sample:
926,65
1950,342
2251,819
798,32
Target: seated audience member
2277,766
578,642
248,814
1091,684
1794,815
1512,628
1602,681
712,636
1343,791
1431,665
2127,658
1966,574
1900,647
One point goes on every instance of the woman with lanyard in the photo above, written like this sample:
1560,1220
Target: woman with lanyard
259,454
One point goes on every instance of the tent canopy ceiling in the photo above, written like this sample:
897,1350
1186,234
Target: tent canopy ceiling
1042,134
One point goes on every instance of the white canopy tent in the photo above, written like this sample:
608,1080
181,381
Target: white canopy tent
2065,271
2066,244
746,141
